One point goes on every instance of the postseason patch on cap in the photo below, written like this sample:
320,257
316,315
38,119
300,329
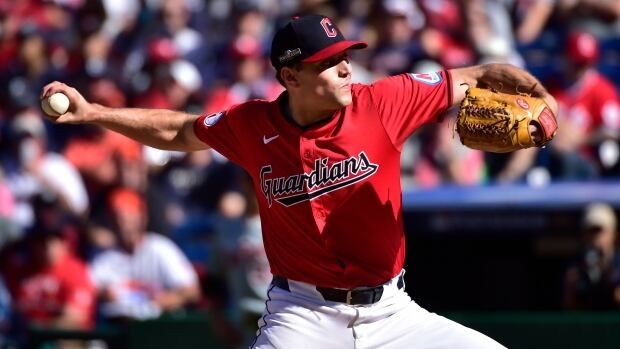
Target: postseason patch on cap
213,119
289,55
427,78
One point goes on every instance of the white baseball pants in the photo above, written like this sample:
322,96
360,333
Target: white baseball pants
301,318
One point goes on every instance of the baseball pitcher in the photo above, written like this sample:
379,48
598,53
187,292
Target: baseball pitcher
324,158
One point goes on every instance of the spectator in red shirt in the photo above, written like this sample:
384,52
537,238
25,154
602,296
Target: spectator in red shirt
589,107
52,287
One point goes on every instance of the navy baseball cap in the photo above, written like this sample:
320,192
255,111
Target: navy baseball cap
309,38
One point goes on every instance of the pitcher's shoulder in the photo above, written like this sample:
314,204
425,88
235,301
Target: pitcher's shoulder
252,108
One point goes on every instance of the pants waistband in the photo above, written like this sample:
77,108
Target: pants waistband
355,296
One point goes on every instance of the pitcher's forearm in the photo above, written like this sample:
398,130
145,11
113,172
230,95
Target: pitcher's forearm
158,128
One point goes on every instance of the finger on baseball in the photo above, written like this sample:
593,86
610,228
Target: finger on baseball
47,89
57,86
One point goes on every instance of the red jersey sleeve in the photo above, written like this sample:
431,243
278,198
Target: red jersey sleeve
221,132
407,101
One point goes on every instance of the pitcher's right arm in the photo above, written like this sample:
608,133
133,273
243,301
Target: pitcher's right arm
158,128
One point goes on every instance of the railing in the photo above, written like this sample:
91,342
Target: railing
546,330
515,330
192,330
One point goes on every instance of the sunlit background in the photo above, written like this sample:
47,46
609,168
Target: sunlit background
521,246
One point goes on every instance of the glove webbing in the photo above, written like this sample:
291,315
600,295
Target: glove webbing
477,128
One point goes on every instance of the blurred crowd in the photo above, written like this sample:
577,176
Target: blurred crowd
95,227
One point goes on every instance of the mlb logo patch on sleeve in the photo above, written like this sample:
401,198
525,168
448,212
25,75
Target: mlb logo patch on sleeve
213,118
427,78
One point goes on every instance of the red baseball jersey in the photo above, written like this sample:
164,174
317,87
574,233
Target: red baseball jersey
330,195
591,103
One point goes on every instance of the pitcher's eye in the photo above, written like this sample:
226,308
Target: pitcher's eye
327,63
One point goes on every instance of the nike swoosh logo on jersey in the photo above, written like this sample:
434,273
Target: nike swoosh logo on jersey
268,140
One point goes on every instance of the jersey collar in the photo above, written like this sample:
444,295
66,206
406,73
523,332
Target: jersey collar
314,129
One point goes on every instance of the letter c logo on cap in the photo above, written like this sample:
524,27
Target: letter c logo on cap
329,27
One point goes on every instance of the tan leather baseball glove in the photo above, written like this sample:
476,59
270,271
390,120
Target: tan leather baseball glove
499,122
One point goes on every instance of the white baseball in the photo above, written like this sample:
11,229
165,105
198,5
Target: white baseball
56,104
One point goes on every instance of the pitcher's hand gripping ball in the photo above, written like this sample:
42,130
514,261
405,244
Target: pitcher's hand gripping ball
55,105
499,122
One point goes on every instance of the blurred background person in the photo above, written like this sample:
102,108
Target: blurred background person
397,47
49,283
249,77
246,268
31,169
444,161
193,185
497,27
600,15
589,115
146,274
593,282
29,66
165,80
442,35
